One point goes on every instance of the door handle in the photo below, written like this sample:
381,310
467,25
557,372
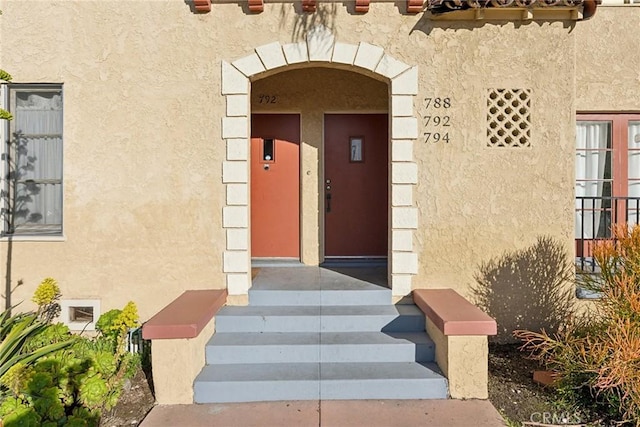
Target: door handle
328,202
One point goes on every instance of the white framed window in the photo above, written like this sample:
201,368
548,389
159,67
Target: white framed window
32,161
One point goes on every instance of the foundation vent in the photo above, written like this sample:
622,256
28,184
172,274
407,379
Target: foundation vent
80,314
509,118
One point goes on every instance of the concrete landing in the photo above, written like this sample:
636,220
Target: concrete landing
349,413
314,278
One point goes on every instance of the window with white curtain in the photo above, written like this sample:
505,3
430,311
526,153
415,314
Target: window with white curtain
32,197
607,173
593,177
633,172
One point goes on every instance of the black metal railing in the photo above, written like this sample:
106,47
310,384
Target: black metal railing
137,344
595,217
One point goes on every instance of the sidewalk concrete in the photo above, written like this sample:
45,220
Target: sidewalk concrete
330,413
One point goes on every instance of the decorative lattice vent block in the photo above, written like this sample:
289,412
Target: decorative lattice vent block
509,118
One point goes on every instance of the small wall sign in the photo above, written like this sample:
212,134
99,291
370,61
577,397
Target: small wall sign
356,149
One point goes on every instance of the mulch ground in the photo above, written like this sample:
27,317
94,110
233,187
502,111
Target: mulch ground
135,403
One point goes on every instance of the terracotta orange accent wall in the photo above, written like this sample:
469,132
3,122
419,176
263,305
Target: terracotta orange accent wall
275,186
452,314
186,316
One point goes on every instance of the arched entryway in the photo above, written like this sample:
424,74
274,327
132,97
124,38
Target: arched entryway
319,165
321,50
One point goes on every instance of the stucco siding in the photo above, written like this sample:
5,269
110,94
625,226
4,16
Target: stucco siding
478,202
608,61
142,190
144,147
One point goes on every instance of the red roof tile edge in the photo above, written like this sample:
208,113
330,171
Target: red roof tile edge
453,314
186,316
362,6
414,6
202,6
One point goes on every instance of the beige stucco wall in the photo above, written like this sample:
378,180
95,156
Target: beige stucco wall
141,166
143,145
464,360
608,61
477,202
176,363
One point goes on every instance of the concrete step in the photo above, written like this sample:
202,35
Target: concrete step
295,347
340,381
314,333
309,381
386,318
325,297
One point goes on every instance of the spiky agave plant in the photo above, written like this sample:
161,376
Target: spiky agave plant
15,331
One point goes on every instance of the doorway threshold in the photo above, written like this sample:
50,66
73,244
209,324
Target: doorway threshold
275,262
348,262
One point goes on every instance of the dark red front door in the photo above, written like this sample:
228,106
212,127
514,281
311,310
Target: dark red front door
356,182
275,185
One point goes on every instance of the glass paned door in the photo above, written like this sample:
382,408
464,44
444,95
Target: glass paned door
593,178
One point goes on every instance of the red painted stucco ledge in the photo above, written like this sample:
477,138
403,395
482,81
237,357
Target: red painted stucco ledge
186,316
460,331
452,313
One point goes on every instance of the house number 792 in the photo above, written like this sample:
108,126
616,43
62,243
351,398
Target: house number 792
267,99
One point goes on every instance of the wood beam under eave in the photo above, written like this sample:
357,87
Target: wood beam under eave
362,6
550,13
202,6
577,15
414,6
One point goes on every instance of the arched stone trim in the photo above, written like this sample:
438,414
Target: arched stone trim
320,46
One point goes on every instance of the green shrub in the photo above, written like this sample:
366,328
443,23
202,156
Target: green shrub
4,114
56,378
597,357
116,323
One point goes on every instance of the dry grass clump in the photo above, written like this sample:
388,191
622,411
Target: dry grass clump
597,357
